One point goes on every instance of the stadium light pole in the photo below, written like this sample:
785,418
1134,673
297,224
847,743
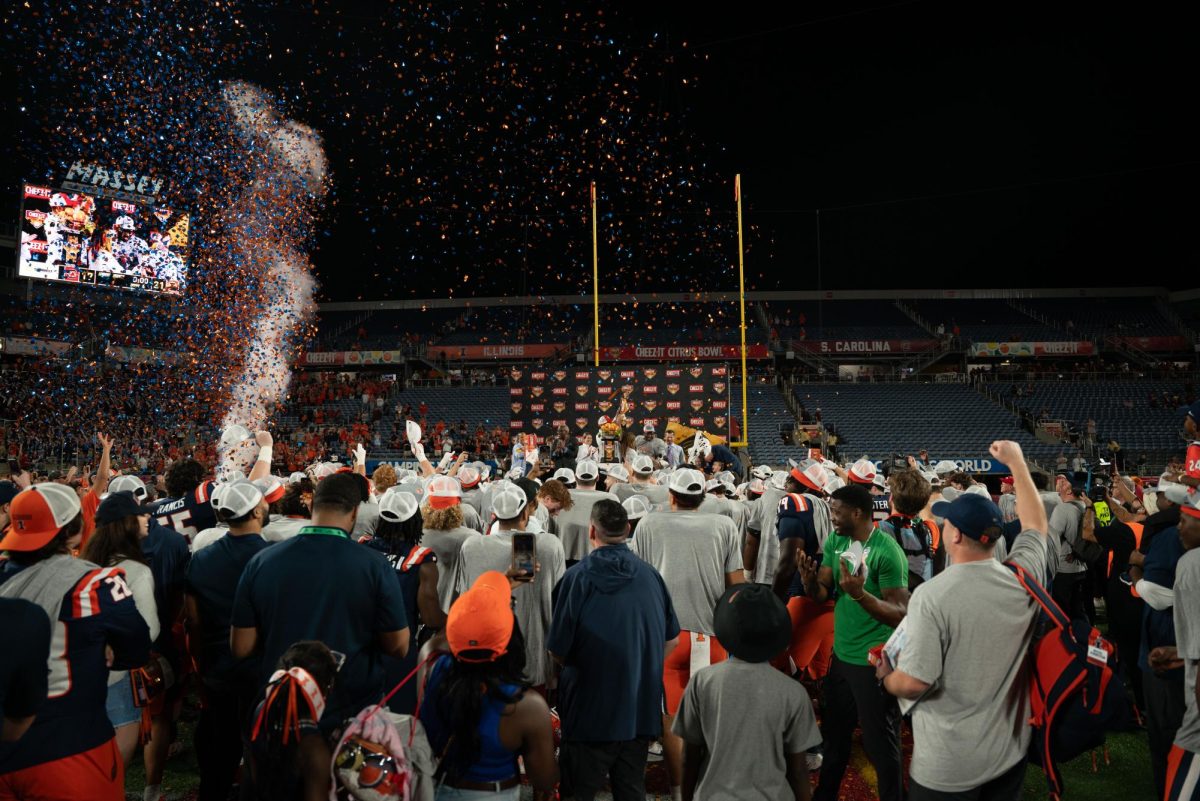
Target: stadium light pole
737,196
595,283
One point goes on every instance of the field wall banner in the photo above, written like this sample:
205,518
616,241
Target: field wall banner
867,346
351,358
542,351
1016,349
695,396
659,353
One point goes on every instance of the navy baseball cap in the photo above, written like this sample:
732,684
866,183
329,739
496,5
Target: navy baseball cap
8,491
974,515
1194,412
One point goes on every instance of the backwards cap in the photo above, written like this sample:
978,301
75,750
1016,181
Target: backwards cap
443,492
38,514
862,472
687,482
480,623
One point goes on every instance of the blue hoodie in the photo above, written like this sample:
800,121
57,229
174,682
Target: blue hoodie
612,619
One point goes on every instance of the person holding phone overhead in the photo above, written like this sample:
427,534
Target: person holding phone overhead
541,558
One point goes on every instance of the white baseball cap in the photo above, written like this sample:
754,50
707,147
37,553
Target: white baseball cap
945,466
297,477
131,484
443,492
636,507
880,481
398,506
587,470
756,486
687,482
236,498
234,435
779,480
618,472
508,503
469,477
862,471
565,475
834,484
271,488
643,465
763,471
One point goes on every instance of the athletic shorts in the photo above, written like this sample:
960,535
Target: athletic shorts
677,667
1183,775
95,775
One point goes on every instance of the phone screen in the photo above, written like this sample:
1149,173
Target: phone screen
523,552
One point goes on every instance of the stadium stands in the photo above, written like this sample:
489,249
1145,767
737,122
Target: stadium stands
1120,408
769,418
952,421
1093,318
984,320
865,319
676,324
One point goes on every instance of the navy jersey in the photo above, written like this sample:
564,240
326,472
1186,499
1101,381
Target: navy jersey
97,610
23,669
796,521
190,514
406,559
881,508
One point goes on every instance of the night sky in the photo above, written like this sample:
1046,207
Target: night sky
946,146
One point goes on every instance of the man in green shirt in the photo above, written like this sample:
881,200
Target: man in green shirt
870,602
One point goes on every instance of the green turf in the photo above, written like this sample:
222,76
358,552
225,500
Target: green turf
182,775
1127,777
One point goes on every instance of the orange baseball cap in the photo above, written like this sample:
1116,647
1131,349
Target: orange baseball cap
480,622
38,514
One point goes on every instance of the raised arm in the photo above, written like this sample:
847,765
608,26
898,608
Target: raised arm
105,469
262,465
1030,509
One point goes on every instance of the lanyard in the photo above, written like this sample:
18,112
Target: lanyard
327,531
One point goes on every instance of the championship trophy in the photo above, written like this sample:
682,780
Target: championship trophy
609,440
612,431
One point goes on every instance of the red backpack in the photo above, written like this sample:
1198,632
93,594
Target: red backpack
1073,697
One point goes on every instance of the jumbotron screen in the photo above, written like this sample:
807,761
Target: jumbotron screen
86,239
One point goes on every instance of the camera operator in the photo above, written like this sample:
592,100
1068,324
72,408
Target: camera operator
1120,533
1070,588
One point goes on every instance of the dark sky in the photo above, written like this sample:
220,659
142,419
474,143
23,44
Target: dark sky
946,145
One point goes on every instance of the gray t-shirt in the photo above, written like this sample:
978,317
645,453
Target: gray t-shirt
471,518
654,493
447,545
494,552
653,447
749,717
284,528
367,520
1187,642
1065,523
473,498
573,523
968,632
764,521
1008,507
692,551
